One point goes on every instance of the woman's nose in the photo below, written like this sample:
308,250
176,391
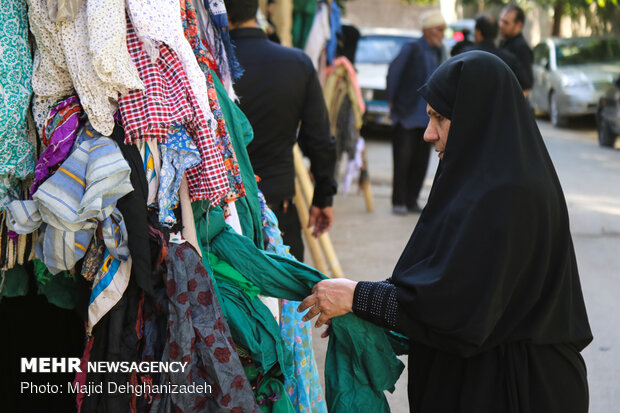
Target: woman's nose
430,135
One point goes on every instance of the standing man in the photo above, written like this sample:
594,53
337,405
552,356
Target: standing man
485,34
280,93
511,22
414,64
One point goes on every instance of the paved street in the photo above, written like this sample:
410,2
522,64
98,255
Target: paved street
369,244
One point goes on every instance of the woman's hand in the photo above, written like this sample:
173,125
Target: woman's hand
330,298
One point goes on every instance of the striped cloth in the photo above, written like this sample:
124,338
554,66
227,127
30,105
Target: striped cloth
169,100
72,203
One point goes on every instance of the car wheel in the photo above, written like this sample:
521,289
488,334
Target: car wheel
554,112
606,136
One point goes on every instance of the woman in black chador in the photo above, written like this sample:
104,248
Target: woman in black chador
487,289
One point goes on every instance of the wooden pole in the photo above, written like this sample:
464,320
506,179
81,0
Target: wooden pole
311,242
306,189
365,182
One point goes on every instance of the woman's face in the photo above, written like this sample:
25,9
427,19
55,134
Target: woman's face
437,130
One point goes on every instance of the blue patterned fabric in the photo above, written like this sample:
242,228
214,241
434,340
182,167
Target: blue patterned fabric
306,393
178,154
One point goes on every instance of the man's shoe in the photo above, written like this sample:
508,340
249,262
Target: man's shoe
415,210
399,210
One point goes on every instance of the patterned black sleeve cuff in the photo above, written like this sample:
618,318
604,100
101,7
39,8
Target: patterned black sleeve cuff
376,302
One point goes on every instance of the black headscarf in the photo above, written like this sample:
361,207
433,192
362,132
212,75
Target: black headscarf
491,259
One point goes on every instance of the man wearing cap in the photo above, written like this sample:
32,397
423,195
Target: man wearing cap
414,64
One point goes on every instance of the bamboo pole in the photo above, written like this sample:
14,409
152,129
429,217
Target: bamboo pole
365,182
306,187
311,242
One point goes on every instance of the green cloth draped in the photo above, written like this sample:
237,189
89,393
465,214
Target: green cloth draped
241,134
303,17
14,282
360,362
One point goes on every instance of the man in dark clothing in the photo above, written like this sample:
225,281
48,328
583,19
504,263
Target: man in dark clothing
462,45
511,22
410,69
485,33
279,92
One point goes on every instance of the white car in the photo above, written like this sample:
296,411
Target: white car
571,75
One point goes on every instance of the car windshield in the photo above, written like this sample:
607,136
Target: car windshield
583,51
379,49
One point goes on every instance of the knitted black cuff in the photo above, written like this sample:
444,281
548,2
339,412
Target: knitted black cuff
376,302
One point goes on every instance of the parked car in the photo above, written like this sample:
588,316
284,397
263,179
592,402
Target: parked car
608,116
571,75
458,31
376,49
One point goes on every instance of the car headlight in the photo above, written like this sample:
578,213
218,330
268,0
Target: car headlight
367,94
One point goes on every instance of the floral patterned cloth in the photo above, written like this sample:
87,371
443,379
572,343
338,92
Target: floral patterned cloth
50,76
16,152
198,334
177,155
305,393
222,138
107,35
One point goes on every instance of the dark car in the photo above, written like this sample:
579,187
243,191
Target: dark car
608,116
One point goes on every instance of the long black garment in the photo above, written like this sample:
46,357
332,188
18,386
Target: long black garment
487,288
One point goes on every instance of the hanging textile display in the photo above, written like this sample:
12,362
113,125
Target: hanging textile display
169,101
199,335
241,135
16,152
61,127
178,154
360,364
72,202
107,35
306,390
50,76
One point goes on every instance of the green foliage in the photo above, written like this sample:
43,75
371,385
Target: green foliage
600,18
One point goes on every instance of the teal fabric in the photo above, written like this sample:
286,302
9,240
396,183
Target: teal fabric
59,289
14,282
360,362
241,134
16,152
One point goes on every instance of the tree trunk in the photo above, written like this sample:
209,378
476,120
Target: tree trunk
558,10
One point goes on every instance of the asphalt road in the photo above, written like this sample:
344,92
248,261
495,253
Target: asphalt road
369,244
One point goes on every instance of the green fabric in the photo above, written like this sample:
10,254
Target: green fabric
241,134
14,282
303,17
59,289
360,362
223,271
270,386
251,323
254,328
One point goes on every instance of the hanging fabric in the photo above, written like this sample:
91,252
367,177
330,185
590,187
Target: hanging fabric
61,127
16,152
169,101
198,334
71,203
306,390
360,363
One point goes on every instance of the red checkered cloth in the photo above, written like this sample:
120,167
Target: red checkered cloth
169,100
